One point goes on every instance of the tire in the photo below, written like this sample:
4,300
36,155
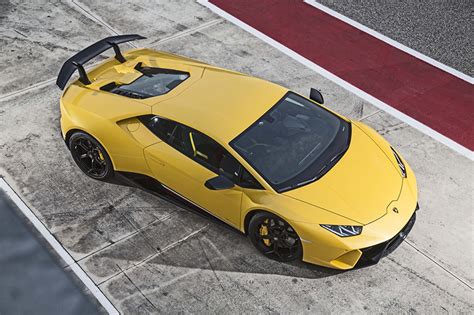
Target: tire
90,156
274,237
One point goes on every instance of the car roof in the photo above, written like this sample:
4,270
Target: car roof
222,104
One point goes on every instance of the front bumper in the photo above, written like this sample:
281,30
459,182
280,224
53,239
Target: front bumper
371,255
377,240
352,256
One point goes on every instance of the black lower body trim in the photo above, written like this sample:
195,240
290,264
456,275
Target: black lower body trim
371,255
152,186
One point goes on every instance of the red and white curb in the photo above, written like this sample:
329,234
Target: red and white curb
367,97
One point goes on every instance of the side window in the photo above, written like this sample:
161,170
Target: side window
169,131
213,156
230,167
248,181
206,151
162,128
200,148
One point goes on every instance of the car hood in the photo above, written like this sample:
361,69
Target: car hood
360,186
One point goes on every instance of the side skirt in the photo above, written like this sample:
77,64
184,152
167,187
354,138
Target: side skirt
152,186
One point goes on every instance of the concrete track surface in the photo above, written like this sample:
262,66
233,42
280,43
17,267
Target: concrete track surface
148,255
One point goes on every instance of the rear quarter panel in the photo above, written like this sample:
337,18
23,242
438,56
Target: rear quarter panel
97,114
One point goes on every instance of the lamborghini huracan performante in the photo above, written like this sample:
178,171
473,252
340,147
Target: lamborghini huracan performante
301,181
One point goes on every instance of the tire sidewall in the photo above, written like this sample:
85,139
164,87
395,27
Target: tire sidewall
110,168
253,227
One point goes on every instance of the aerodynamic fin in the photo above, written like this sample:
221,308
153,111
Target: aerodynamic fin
78,60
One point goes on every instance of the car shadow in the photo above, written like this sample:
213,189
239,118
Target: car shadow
219,247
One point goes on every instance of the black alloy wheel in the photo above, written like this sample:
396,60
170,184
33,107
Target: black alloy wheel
90,156
274,237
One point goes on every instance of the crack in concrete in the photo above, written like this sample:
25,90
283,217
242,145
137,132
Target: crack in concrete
18,32
370,115
124,238
415,273
143,231
136,287
211,266
172,245
439,265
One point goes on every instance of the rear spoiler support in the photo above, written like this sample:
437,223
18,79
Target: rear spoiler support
82,74
78,60
118,53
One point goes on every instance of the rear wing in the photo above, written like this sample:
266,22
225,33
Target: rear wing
78,60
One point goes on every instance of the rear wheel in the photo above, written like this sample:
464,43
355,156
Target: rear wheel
274,237
90,156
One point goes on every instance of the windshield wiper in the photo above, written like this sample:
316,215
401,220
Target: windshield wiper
310,152
337,155
330,162
320,172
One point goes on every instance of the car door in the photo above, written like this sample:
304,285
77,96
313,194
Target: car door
185,170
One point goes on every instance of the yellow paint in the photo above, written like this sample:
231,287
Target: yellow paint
361,189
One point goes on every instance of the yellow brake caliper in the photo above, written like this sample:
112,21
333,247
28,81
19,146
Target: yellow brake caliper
264,231
101,156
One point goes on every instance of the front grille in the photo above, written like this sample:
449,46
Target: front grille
372,255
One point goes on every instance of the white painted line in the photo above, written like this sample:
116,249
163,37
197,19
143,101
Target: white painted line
391,42
369,98
58,247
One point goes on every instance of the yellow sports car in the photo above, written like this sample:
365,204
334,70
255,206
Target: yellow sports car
301,181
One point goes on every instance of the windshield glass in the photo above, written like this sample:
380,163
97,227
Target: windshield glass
294,143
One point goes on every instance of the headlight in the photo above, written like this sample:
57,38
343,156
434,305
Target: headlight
343,230
400,163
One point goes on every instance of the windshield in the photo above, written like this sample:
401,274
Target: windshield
294,143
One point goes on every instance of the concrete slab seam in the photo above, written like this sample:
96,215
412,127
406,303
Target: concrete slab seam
98,19
127,236
186,32
172,245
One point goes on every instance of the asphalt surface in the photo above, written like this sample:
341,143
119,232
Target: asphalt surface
150,256
32,281
439,29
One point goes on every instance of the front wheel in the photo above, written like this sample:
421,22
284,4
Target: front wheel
90,156
274,237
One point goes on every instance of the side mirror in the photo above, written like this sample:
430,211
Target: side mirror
219,183
316,96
